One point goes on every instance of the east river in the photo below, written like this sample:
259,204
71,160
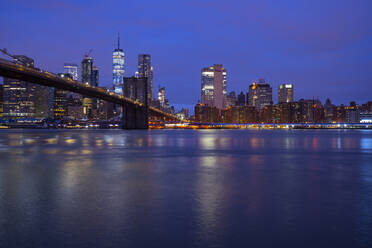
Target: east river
186,188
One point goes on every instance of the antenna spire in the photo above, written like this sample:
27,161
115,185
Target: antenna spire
118,40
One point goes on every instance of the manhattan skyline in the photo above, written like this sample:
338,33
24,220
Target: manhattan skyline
322,48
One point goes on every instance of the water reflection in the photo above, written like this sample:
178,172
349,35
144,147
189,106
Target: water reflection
185,188
366,144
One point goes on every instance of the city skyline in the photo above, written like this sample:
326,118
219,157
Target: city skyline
312,53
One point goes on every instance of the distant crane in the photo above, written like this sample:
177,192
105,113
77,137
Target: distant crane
88,53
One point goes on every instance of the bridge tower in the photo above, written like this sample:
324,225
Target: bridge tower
135,116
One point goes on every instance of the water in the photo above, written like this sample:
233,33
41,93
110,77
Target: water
185,188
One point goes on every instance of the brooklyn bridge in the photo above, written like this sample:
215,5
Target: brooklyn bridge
135,115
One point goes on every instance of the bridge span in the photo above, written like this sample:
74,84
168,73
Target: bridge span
135,113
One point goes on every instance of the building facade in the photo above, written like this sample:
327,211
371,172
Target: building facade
61,100
146,70
285,93
87,77
161,96
241,99
18,96
260,94
213,86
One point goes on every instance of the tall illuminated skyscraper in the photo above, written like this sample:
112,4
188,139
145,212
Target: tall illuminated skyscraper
71,69
213,86
118,69
145,70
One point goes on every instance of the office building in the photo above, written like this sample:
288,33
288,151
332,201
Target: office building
71,69
43,101
260,94
88,77
285,93
213,86
18,96
118,60
146,70
161,96
60,100
203,113
86,70
231,99
328,110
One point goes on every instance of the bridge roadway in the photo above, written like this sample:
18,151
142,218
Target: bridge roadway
37,76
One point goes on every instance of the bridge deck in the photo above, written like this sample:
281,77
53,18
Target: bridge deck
37,76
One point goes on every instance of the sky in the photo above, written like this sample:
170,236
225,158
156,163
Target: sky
323,47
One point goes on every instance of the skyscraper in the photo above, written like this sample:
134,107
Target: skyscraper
285,93
118,69
86,70
71,69
213,86
95,76
145,70
260,94
86,78
161,96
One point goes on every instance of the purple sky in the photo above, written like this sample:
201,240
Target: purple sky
323,47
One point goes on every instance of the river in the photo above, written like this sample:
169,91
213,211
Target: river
186,188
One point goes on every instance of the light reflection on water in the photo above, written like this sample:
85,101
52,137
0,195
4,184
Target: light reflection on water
184,188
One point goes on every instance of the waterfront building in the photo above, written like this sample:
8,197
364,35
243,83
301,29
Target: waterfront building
60,100
118,61
365,117
260,94
206,114
339,113
311,111
43,101
328,110
240,114
285,93
18,96
213,86
146,70
352,113
75,108
71,69
286,112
